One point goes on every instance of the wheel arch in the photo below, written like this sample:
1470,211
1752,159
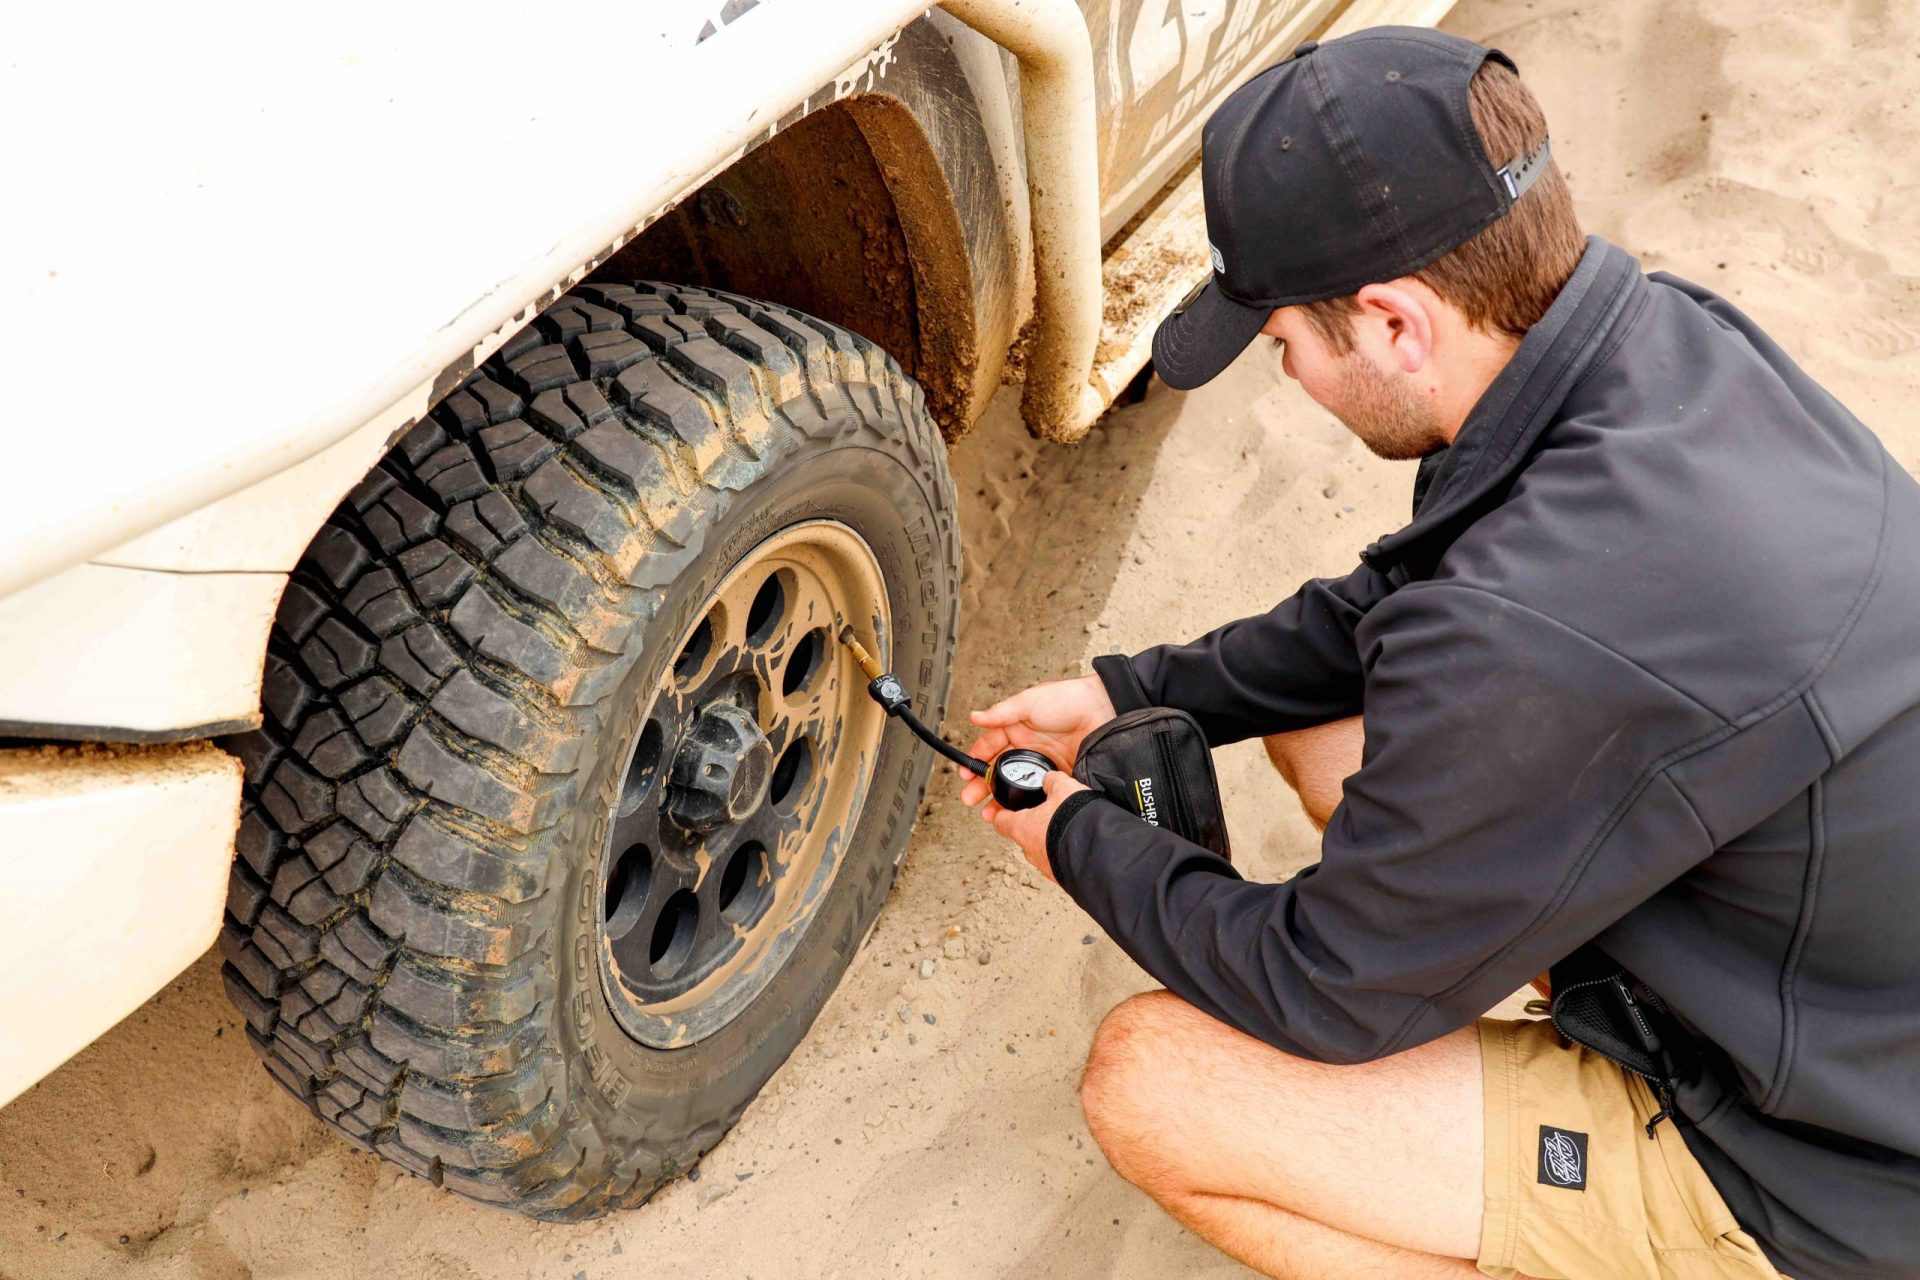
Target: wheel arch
896,212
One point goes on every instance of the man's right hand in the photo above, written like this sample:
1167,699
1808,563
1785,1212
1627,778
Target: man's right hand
1050,718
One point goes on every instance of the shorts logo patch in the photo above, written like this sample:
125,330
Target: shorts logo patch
1563,1158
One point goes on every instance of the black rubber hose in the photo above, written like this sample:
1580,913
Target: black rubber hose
940,744
887,690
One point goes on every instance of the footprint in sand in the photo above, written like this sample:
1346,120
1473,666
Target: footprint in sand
1879,337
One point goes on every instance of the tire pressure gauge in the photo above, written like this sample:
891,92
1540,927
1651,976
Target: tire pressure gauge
1016,778
1016,775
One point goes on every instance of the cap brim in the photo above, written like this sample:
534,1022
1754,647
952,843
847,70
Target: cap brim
1192,346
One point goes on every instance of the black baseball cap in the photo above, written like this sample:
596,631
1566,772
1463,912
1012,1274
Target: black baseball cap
1351,162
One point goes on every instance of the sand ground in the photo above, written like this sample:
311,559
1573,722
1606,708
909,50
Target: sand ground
930,1127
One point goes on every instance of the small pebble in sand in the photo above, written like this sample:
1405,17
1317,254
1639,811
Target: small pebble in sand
927,967
984,956
928,1018
912,1038
1087,940
906,1011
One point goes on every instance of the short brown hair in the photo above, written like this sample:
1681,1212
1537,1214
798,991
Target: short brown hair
1506,276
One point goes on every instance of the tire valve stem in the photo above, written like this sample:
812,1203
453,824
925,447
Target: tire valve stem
1014,777
866,660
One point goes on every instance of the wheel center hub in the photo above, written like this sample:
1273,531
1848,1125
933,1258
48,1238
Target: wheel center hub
721,772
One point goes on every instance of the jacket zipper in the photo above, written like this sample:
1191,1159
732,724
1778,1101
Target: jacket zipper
1662,1088
1182,819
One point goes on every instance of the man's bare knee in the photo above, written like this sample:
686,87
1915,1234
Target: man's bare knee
1125,1110
1316,763
1292,760
1281,755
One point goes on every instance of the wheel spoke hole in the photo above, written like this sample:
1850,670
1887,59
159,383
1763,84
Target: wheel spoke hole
627,887
644,769
803,662
768,609
673,932
694,655
746,887
791,774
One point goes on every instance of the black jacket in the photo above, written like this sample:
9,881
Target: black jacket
1644,671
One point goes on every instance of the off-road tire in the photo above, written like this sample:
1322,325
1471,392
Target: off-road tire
456,668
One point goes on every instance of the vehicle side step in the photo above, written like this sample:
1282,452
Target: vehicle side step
1144,278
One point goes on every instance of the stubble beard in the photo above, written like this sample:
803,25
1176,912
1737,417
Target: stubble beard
1388,415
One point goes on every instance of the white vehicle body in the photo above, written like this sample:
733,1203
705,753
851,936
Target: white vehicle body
245,249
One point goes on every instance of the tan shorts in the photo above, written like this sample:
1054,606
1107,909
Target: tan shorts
1575,1188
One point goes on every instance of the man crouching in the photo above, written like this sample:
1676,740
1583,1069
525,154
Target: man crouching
1634,697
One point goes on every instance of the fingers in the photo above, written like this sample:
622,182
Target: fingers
989,744
1057,783
1004,712
974,792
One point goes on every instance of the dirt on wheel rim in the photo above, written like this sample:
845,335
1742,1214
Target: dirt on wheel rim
750,767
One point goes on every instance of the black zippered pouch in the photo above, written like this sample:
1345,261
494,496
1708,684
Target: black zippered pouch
1155,764
1600,1006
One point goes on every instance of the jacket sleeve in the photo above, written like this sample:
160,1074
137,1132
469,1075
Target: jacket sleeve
1289,668
1506,811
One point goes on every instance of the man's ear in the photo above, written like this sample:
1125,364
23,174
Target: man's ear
1402,323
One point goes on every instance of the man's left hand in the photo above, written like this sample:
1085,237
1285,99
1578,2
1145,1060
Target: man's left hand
1028,827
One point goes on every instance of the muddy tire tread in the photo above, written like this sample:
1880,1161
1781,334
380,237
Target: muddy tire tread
437,670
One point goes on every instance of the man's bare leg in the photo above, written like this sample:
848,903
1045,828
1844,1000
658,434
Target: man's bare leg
1316,762
1295,1168
1298,1169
